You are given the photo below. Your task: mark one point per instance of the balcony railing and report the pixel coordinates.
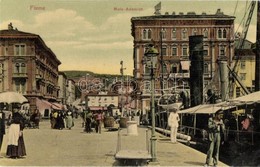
(179, 75)
(20, 75)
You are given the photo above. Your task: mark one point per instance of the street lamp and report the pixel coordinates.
(150, 58)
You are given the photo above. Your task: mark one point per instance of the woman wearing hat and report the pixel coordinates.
(173, 122)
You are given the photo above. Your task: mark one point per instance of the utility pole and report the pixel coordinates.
(122, 81)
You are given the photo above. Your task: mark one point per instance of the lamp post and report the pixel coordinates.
(150, 57)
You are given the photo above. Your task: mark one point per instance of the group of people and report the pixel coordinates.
(215, 128)
(15, 142)
(91, 119)
(61, 119)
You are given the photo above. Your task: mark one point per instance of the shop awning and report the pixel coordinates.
(185, 65)
(57, 106)
(42, 105)
(96, 108)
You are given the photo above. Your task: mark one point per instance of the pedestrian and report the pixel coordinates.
(83, 115)
(60, 120)
(35, 118)
(173, 122)
(88, 121)
(215, 127)
(53, 118)
(69, 119)
(15, 143)
(2, 128)
(98, 118)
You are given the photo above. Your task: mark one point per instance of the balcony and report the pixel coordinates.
(48, 82)
(20, 75)
(38, 77)
(207, 75)
(179, 75)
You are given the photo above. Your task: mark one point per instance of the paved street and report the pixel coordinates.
(49, 147)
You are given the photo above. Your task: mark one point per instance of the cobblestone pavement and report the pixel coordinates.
(51, 147)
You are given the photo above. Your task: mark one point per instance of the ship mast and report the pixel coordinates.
(257, 52)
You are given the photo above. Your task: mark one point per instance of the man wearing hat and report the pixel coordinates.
(173, 123)
(215, 126)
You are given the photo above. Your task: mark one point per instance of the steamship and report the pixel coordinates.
(241, 115)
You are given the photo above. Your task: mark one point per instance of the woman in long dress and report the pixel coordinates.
(69, 119)
(16, 146)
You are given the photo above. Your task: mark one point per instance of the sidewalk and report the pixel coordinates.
(50, 147)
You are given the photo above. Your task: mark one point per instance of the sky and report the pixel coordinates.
(95, 35)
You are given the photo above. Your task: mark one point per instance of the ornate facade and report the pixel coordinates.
(170, 35)
(28, 66)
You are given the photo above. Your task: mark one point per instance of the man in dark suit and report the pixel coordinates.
(215, 127)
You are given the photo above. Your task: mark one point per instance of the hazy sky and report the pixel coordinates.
(95, 35)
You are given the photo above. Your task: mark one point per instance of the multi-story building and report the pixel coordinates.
(101, 100)
(28, 66)
(62, 82)
(245, 69)
(71, 97)
(169, 34)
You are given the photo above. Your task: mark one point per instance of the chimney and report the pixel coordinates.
(196, 69)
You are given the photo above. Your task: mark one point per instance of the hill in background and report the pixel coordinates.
(78, 74)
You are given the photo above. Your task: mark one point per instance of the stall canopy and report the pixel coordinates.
(247, 99)
(201, 109)
(251, 98)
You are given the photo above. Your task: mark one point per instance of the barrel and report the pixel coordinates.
(122, 122)
(109, 122)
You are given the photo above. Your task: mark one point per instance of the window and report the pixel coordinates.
(222, 50)
(174, 68)
(147, 34)
(20, 68)
(19, 50)
(185, 51)
(205, 33)
(164, 53)
(237, 91)
(165, 69)
(184, 34)
(243, 65)
(205, 52)
(174, 51)
(206, 68)
(163, 32)
(219, 33)
(20, 85)
(1, 68)
(194, 31)
(174, 33)
(243, 76)
(146, 70)
(224, 33)
(147, 87)
(144, 34)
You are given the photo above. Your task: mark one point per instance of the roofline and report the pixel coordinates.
(29, 35)
(182, 17)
